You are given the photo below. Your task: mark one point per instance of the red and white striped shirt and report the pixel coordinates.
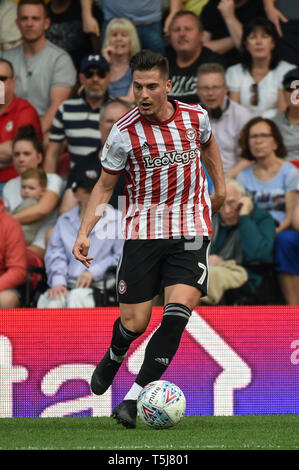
(167, 191)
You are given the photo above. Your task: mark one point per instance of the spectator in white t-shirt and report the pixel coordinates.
(256, 82)
(28, 153)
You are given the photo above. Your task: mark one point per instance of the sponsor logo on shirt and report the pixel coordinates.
(170, 158)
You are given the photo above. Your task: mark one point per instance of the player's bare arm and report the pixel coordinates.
(212, 159)
(100, 196)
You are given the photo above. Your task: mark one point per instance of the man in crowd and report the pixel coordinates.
(77, 119)
(186, 54)
(226, 116)
(45, 72)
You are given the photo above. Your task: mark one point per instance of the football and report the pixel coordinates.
(161, 404)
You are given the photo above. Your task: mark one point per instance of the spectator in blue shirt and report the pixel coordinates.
(71, 284)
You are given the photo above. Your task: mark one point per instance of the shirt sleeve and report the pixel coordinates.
(114, 154)
(14, 247)
(57, 133)
(55, 183)
(64, 74)
(28, 115)
(205, 129)
(233, 78)
(56, 262)
(292, 179)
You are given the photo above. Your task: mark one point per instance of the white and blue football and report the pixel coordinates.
(161, 404)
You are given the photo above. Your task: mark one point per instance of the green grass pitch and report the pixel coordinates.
(251, 432)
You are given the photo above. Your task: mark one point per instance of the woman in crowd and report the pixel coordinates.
(270, 180)
(121, 42)
(28, 153)
(256, 82)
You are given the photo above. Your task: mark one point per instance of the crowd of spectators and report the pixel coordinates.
(65, 79)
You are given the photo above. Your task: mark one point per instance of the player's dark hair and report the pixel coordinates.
(268, 27)
(28, 133)
(5, 61)
(148, 60)
(244, 138)
(33, 2)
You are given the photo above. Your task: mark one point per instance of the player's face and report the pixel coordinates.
(185, 34)
(150, 91)
(261, 141)
(8, 80)
(32, 22)
(31, 187)
(229, 211)
(112, 113)
(25, 156)
(211, 89)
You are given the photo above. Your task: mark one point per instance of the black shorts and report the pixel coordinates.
(146, 266)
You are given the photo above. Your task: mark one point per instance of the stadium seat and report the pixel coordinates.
(36, 280)
(268, 293)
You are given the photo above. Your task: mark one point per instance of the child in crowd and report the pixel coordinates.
(33, 186)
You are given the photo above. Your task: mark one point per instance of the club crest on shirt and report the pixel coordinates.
(190, 134)
(9, 126)
(122, 287)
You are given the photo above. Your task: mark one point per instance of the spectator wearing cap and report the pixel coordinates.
(288, 121)
(111, 112)
(77, 119)
(72, 284)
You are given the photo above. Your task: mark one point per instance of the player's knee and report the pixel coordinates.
(134, 323)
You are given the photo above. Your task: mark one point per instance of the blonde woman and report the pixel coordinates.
(121, 42)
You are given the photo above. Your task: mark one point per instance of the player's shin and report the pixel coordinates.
(106, 370)
(164, 343)
(121, 340)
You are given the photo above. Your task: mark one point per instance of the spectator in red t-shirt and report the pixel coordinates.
(14, 113)
(13, 261)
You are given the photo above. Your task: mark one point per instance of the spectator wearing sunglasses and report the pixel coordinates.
(256, 82)
(77, 119)
(15, 112)
(288, 121)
